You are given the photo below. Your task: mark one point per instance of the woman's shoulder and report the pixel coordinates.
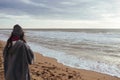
(20, 42)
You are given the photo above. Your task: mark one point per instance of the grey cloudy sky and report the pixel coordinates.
(60, 13)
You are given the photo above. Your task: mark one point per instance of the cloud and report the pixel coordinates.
(61, 9)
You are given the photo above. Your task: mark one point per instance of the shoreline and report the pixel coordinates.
(46, 68)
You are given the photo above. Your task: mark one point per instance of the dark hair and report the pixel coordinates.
(17, 31)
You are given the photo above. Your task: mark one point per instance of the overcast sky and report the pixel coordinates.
(60, 13)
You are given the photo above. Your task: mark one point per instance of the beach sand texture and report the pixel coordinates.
(45, 68)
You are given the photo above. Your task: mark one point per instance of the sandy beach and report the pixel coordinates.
(45, 68)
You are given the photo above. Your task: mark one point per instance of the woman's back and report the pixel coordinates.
(16, 60)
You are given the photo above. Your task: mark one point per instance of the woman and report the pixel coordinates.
(17, 56)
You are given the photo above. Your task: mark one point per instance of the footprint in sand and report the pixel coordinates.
(70, 77)
(36, 67)
(46, 62)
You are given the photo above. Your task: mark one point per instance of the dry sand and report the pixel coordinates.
(45, 68)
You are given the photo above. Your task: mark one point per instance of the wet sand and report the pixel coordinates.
(45, 68)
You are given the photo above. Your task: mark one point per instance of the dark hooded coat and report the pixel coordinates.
(17, 60)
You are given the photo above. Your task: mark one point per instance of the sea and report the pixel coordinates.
(90, 49)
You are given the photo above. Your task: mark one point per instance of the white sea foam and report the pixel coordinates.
(76, 62)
